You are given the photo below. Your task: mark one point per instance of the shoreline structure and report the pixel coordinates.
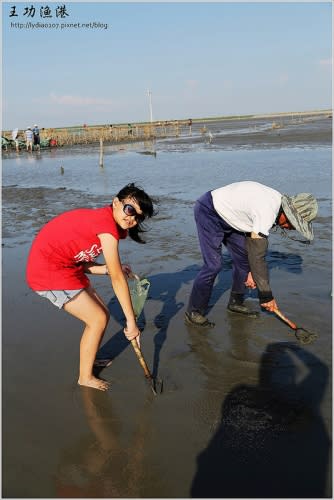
(143, 131)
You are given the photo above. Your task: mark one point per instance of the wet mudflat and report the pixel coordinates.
(246, 410)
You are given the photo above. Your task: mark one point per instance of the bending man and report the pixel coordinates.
(240, 216)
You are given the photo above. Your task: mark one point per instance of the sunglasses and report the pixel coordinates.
(130, 210)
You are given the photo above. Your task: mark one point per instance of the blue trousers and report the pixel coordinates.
(213, 232)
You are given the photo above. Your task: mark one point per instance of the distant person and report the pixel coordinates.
(29, 138)
(66, 248)
(15, 138)
(240, 216)
(37, 139)
(190, 122)
(111, 130)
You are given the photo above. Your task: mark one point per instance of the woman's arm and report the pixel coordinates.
(101, 269)
(119, 283)
(94, 268)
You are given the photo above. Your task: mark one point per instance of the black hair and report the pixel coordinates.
(280, 212)
(146, 205)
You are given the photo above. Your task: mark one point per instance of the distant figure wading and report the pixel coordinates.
(29, 138)
(37, 139)
(15, 138)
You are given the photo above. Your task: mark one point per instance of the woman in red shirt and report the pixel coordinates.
(66, 248)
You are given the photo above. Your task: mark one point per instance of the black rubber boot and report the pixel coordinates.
(236, 305)
(195, 318)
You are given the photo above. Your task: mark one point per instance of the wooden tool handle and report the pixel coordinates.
(140, 358)
(286, 320)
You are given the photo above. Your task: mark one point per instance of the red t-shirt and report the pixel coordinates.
(66, 241)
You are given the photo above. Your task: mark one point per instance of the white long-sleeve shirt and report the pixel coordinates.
(247, 206)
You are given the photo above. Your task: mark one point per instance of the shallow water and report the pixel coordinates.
(239, 401)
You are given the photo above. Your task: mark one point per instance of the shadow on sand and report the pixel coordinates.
(164, 288)
(271, 441)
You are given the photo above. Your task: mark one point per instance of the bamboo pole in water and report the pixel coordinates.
(101, 152)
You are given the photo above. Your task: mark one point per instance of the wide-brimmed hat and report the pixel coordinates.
(301, 210)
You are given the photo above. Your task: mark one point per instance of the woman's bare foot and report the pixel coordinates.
(94, 382)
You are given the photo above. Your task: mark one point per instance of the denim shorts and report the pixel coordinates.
(59, 297)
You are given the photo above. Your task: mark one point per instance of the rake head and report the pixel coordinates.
(304, 336)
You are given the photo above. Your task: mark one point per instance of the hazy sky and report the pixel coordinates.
(197, 59)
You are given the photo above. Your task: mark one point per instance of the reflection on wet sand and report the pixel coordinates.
(101, 464)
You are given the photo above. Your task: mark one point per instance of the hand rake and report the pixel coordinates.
(302, 335)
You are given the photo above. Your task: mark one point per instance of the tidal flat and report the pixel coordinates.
(246, 410)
